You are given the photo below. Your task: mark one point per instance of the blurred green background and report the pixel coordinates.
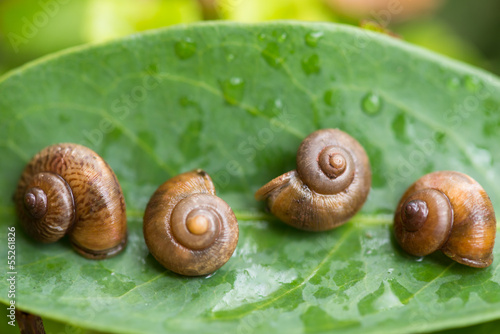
(464, 30)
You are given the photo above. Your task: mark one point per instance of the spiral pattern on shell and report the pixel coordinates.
(330, 185)
(69, 189)
(449, 211)
(187, 228)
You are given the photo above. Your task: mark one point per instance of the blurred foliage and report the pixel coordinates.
(478, 23)
(460, 29)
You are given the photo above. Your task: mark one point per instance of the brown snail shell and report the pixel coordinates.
(187, 228)
(69, 189)
(330, 185)
(29, 323)
(449, 211)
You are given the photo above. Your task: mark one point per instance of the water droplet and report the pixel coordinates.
(272, 55)
(399, 127)
(280, 36)
(453, 83)
(185, 49)
(152, 69)
(390, 270)
(491, 107)
(233, 89)
(472, 83)
(419, 259)
(327, 97)
(64, 118)
(274, 107)
(230, 57)
(313, 38)
(311, 64)
(185, 101)
(368, 252)
(371, 103)
(439, 136)
(490, 129)
(262, 36)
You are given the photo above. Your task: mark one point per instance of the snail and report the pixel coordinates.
(69, 189)
(331, 183)
(29, 323)
(449, 211)
(187, 228)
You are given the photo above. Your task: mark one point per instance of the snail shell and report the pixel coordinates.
(330, 185)
(29, 323)
(449, 211)
(69, 189)
(187, 228)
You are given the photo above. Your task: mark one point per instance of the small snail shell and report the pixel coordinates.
(187, 228)
(330, 185)
(29, 323)
(449, 211)
(69, 189)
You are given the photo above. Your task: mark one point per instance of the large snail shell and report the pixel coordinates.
(68, 188)
(449, 211)
(187, 228)
(330, 185)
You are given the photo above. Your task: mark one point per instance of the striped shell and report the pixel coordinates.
(69, 189)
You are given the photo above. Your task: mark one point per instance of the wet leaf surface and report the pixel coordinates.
(236, 100)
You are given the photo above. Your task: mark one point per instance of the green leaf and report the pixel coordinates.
(237, 100)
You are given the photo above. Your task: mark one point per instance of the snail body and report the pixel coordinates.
(187, 228)
(331, 183)
(69, 189)
(449, 211)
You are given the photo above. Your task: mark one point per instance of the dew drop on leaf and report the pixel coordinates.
(453, 83)
(274, 107)
(64, 118)
(313, 38)
(371, 103)
(272, 55)
(472, 83)
(185, 49)
(185, 101)
(280, 36)
(152, 69)
(311, 64)
(233, 89)
(331, 97)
